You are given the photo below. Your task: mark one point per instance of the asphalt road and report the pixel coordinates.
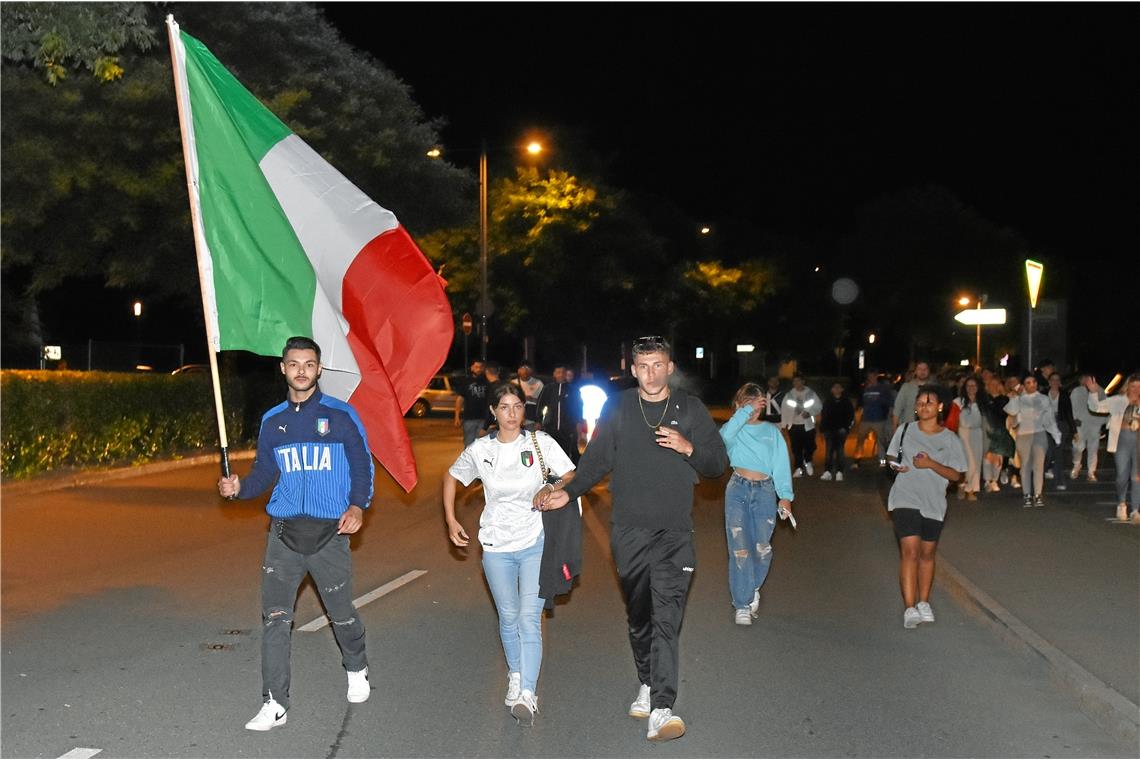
(130, 626)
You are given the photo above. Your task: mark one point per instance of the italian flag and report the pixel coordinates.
(288, 246)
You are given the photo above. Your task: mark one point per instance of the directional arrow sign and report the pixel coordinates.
(981, 317)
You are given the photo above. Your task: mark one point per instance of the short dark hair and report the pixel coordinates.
(300, 343)
(506, 389)
(651, 344)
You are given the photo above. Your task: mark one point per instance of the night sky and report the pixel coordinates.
(791, 116)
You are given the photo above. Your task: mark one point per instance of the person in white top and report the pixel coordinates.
(797, 415)
(509, 462)
(1123, 411)
(970, 430)
(1089, 427)
(1033, 420)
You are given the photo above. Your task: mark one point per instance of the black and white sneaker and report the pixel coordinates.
(271, 715)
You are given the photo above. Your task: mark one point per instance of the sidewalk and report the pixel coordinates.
(1062, 582)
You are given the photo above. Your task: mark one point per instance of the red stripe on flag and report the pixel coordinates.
(400, 330)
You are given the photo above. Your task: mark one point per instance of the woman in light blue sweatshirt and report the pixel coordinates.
(759, 489)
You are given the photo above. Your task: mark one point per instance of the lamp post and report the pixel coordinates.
(1034, 272)
(485, 307)
(978, 317)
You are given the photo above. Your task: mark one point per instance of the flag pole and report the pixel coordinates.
(182, 96)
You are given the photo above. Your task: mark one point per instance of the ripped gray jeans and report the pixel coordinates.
(281, 576)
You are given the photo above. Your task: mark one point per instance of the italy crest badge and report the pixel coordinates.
(527, 458)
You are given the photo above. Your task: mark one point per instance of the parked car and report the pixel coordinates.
(439, 396)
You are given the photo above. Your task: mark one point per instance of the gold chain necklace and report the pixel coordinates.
(663, 413)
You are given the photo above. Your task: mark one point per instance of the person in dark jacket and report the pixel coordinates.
(835, 423)
(313, 451)
(1058, 454)
(560, 412)
(657, 442)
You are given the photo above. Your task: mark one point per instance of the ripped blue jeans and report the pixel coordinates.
(749, 519)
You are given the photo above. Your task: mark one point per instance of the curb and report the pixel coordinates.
(1107, 707)
(89, 477)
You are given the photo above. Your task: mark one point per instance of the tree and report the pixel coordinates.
(51, 36)
(93, 182)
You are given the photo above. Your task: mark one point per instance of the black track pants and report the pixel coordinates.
(655, 568)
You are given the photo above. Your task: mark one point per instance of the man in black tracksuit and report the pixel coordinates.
(657, 443)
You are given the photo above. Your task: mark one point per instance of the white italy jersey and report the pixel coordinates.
(511, 476)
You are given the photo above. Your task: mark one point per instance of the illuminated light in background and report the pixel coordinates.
(705, 230)
(137, 308)
(871, 338)
(434, 153)
(534, 147)
(593, 398)
(1113, 383)
(745, 348)
(965, 362)
(700, 352)
(1004, 361)
(862, 359)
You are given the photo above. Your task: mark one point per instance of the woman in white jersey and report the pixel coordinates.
(926, 456)
(509, 462)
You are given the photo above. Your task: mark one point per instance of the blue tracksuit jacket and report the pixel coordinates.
(317, 453)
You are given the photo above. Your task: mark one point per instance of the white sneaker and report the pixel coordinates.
(924, 612)
(358, 688)
(839, 477)
(1048, 474)
(799, 473)
(525, 708)
(1076, 471)
(743, 617)
(664, 725)
(911, 618)
(1122, 511)
(993, 487)
(754, 605)
(269, 716)
(514, 687)
(640, 706)
(1004, 478)
(810, 471)
(825, 476)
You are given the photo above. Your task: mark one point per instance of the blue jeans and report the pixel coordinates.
(1127, 459)
(749, 519)
(513, 578)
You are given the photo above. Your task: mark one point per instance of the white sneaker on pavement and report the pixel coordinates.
(810, 471)
(514, 688)
(1122, 511)
(825, 476)
(924, 612)
(269, 716)
(1076, 471)
(839, 477)
(799, 473)
(743, 617)
(358, 688)
(664, 725)
(1048, 474)
(754, 605)
(525, 708)
(911, 618)
(640, 706)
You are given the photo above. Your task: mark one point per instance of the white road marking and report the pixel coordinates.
(371, 596)
(81, 753)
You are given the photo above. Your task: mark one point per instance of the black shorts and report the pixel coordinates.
(910, 522)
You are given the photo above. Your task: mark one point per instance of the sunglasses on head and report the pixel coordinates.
(648, 342)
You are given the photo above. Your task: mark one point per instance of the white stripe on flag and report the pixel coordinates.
(81, 753)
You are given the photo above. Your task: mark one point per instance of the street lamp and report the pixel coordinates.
(978, 317)
(533, 147)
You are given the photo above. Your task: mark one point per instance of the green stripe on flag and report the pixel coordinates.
(264, 285)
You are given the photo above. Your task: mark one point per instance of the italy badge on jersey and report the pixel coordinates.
(322, 426)
(527, 458)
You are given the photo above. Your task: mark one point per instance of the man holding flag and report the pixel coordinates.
(312, 447)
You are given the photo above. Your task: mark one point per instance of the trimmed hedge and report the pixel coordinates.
(84, 419)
